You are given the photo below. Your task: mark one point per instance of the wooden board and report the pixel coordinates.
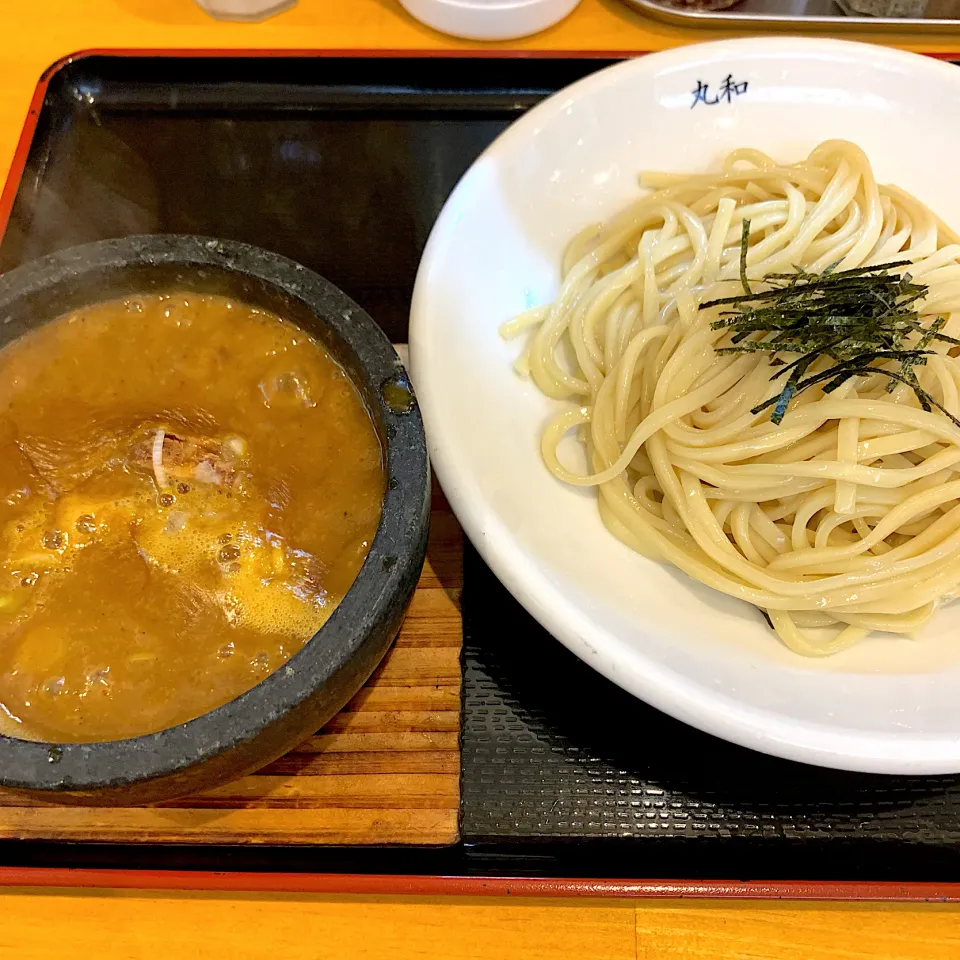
(386, 770)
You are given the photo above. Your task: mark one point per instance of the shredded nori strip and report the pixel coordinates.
(858, 318)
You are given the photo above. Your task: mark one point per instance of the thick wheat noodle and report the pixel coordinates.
(845, 515)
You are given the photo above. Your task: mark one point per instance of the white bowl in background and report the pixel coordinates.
(250, 10)
(489, 19)
(887, 705)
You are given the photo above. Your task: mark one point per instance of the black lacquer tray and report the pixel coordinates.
(343, 164)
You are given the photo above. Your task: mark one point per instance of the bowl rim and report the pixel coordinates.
(384, 576)
(567, 622)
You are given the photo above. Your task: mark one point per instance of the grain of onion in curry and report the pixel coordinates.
(188, 487)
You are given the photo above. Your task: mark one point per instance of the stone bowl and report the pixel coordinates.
(299, 698)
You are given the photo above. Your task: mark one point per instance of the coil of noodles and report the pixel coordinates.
(797, 444)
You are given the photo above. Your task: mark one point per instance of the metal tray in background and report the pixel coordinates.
(790, 15)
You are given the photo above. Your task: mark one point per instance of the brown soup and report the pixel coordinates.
(188, 487)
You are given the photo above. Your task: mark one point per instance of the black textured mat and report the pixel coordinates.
(554, 752)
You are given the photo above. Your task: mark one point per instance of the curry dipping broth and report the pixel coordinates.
(188, 487)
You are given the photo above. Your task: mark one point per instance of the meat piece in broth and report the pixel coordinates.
(174, 455)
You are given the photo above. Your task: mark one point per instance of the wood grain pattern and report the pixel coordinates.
(684, 930)
(384, 770)
(124, 926)
(114, 924)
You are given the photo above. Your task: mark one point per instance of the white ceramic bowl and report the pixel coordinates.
(887, 705)
(489, 19)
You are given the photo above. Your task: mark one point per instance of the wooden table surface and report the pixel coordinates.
(114, 924)
(123, 925)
